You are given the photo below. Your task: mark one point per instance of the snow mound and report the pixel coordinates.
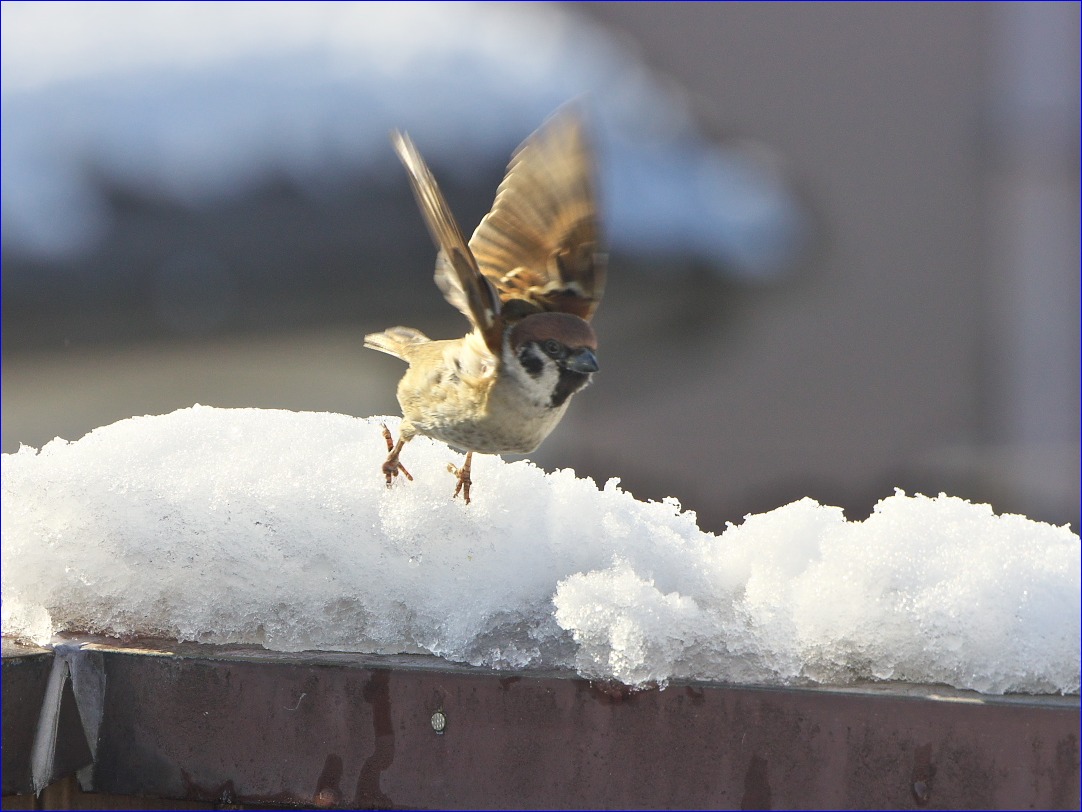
(276, 528)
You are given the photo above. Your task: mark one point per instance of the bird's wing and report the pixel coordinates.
(457, 273)
(539, 245)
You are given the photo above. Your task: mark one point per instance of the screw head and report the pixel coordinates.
(439, 722)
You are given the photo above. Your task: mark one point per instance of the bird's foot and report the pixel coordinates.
(463, 475)
(392, 467)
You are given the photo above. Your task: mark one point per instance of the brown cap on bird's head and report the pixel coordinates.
(571, 331)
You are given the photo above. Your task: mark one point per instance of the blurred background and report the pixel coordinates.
(844, 238)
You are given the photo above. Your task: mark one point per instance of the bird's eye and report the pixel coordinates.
(553, 348)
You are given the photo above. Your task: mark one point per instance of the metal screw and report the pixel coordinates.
(439, 722)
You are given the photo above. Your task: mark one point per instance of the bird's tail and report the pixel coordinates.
(395, 340)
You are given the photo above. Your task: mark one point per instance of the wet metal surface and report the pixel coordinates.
(25, 675)
(44, 725)
(247, 726)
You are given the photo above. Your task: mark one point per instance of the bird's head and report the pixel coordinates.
(554, 354)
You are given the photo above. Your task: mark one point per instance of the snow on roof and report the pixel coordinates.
(194, 102)
(276, 528)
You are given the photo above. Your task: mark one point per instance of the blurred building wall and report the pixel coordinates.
(932, 343)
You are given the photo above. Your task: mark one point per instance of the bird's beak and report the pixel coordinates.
(581, 360)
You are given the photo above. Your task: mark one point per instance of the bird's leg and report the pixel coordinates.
(463, 475)
(392, 466)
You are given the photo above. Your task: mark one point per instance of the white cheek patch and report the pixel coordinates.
(535, 374)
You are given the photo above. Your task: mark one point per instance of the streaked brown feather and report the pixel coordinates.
(539, 244)
(457, 273)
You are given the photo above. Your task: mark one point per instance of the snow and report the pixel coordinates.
(276, 528)
(200, 102)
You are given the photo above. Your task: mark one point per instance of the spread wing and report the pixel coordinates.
(457, 272)
(539, 244)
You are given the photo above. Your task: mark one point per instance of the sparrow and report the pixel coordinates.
(529, 281)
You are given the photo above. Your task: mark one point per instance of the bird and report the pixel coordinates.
(529, 281)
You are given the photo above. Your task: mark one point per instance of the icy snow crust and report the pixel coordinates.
(275, 527)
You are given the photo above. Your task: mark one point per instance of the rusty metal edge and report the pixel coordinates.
(156, 647)
(233, 724)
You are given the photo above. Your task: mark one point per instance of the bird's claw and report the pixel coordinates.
(392, 467)
(463, 475)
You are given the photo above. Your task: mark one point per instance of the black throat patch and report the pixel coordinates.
(568, 384)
